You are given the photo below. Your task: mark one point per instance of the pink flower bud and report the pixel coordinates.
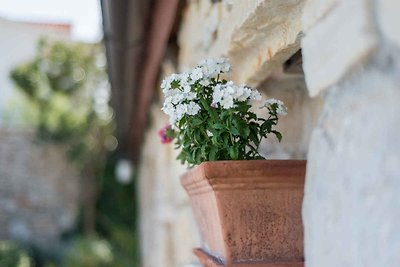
(164, 136)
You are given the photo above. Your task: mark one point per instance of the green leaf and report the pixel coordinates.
(203, 152)
(214, 140)
(218, 126)
(235, 131)
(194, 153)
(233, 152)
(266, 127)
(213, 153)
(243, 107)
(224, 114)
(252, 116)
(246, 132)
(278, 135)
(196, 121)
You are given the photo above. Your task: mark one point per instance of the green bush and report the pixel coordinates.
(89, 251)
(12, 255)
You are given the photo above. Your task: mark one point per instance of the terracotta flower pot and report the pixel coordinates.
(248, 212)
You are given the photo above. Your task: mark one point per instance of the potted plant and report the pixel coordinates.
(248, 209)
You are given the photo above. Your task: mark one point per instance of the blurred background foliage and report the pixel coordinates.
(67, 92)
(12, 255)
(67, 85)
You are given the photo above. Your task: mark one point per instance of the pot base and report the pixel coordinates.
(209, 261)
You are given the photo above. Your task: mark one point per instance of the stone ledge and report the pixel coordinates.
(257, 36)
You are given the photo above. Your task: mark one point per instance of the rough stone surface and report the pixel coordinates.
(167, 226)
(296, 127)
(39, 189)
(389, 19)
(344, 39)
(257, 36)
(314, 11)
(168, 233)
(351, 204)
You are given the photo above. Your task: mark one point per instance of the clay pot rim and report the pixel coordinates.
(243, 174)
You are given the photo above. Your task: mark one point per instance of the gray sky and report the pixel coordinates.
(84, 15)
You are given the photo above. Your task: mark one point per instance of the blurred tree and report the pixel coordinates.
(89, 251)
(67, 85)
(12, 255)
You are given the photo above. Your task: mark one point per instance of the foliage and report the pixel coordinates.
(12, 255)
(69, 91)
(211, 118)
(89, 251)
(116, 220)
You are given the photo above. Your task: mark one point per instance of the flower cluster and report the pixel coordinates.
(225, 95)
(181, 95)
(210, 117)
(276, 104)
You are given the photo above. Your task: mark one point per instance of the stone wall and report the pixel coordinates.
(297, 126)
(39, 189)
(343, 117)
(168, 233)
(256, 35)
(351, 205)
(167, 229)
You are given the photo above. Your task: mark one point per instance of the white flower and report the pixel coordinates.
(179, 102)
(205, 81)
(176, 96)
(212, 67)
(192, 108)
(168, 108)
(255, 95)
(186, 88)
(281, 108)
(190, 96)
(184, 78)
(224, 64)
(181, 98)
(217, 95)
(225, 95)
(230, 87)
(227, 102)
(164, 84)
(243, 93)
(180, 111)
(196, 74)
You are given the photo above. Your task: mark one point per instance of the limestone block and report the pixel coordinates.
(315, 10)
(342, 40)
(351, 201)
(257, 36)
(199, 30)
(389, 19)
